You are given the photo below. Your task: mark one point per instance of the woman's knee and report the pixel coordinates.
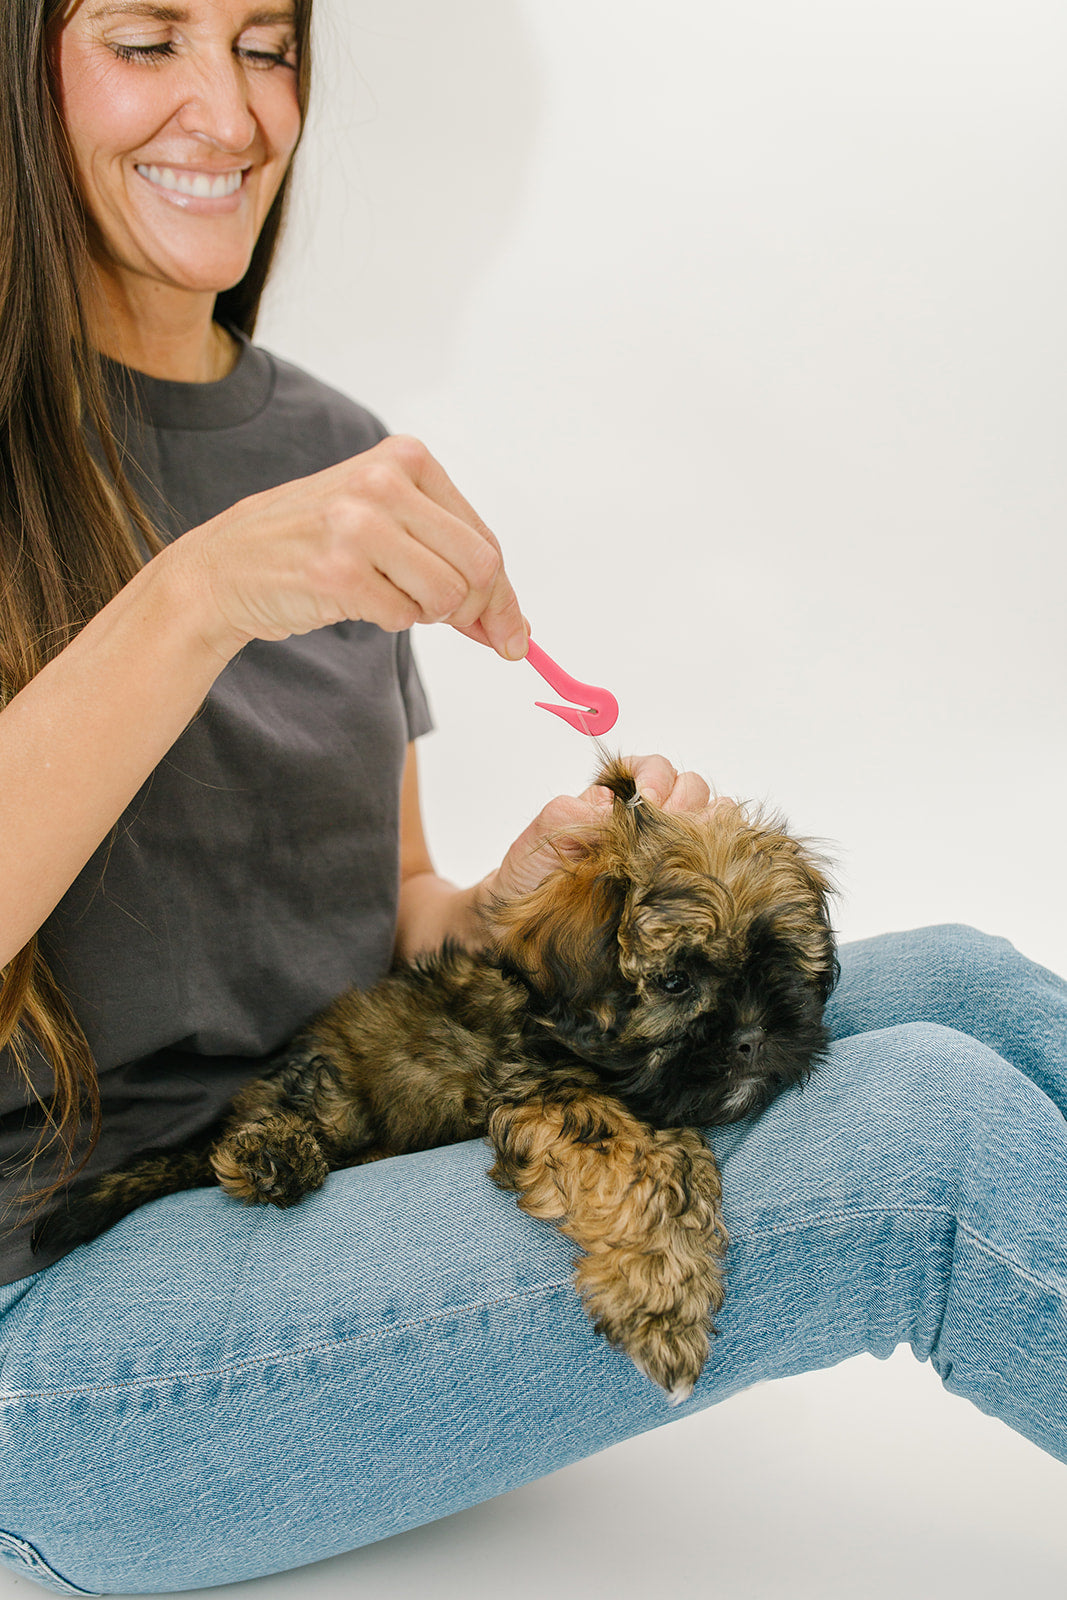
(923, 1074)
(952, 957)
(941, 974)
(849, 1195)
(899, 1116)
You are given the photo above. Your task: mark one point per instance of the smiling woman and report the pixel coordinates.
(114, 278)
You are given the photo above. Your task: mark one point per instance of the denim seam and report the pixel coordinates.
(924, 1211)
(839, 1216)
(1024, 1272)
(273, 1358)
(29, 1559)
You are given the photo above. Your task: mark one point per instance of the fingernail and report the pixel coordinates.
(516, 646)
(652, 796)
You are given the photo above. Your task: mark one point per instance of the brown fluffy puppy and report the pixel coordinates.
(671, 976)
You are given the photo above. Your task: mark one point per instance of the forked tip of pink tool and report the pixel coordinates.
(596, 710)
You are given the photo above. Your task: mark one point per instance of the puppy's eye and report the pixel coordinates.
(674, 982)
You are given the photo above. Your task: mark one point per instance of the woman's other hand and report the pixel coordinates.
(559, 825)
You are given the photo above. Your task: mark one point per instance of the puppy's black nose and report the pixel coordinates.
(748, 1045)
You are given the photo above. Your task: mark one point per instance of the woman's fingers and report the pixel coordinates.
(690, 793)
(432, 579)
(543, 843)
(450, 579)
(666, 787)
(489, 607)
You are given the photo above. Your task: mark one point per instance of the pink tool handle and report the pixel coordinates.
(603, 708)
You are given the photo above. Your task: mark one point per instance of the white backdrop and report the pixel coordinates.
(743, 326)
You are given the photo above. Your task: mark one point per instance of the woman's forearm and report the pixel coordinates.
(432, 910)
(79, 741)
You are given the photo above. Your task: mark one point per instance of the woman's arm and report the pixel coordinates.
(432, 909)
(384, 537)
(79, 741)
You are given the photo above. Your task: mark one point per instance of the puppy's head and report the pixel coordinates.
(686, 957)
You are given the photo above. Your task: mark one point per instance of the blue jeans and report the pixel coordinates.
(212, 1392)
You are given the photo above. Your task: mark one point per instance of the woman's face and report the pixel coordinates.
(182, 115)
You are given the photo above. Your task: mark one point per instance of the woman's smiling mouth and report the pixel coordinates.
(183, 184)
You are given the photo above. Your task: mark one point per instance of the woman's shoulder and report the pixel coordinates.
(315, 408)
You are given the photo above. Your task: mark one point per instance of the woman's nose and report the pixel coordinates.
(216, 108)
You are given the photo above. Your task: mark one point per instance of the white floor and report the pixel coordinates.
(863, 1483)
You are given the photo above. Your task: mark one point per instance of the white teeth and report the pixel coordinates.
(200, 185)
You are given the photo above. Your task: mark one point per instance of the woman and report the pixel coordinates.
(211, 826)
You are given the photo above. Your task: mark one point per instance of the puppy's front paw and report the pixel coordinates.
(656, 1306)
(654, 1292)
(273, 1162)
(643, 1204)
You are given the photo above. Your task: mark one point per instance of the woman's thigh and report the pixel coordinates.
(211, 1392)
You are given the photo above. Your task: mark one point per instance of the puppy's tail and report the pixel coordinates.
(88, 1209)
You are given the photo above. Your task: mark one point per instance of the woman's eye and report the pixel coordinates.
(267, 58)
(674, 982)
(143, 52)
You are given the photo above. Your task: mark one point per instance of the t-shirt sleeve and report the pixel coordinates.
(416, 705)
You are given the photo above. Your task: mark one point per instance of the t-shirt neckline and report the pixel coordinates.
(225, 403)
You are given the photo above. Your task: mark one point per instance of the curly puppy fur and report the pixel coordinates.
(670, 975)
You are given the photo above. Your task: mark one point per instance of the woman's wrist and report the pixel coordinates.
(185, 574)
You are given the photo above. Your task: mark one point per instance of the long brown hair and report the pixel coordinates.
(71, 535)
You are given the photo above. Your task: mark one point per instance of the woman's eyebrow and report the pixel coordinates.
(138, 8)
(164, 13)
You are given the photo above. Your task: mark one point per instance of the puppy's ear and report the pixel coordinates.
(801, 888)
(563, 941)
(815, 870)
(565, 931)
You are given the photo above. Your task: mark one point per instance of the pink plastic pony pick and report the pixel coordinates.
(602, 707)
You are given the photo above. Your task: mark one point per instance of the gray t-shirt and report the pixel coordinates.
(255, 875)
